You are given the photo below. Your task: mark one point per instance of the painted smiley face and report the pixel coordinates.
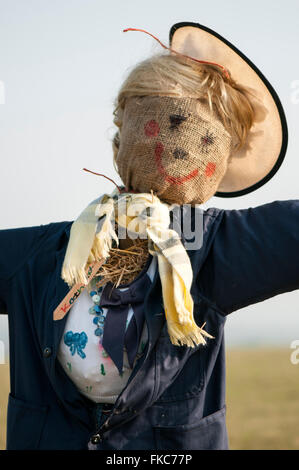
(152, 129)
(175, 147)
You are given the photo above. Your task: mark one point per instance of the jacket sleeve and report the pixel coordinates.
(254, 256)
(16, 246)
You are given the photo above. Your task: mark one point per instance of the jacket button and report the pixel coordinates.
(47, 352)
(96, 438)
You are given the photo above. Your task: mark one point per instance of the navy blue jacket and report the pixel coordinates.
(175, 397)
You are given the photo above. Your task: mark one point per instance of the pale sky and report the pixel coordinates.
(61, 65)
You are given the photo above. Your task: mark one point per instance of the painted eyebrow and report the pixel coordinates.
(176, 120)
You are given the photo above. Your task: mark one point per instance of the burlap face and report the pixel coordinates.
(173, 146)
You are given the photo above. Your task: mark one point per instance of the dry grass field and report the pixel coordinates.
(4, 390)
(262, 399)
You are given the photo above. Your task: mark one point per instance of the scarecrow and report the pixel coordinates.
(137, 307)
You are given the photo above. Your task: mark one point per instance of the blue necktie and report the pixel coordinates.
(115, 336)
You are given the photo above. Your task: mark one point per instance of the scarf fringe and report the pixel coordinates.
(182, 336)
(73, 275)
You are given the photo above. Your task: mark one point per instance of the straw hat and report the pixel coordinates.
(260, 158)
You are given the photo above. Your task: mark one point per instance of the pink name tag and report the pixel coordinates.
(75, 291)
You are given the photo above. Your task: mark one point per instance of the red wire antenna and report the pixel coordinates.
(99, 174)
(179, 53)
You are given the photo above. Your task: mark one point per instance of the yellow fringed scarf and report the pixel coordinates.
(142, 215)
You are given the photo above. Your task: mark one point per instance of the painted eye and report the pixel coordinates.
(151, 128)
(176, 120)
(207, 141)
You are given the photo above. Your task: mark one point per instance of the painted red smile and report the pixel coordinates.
(170, 179)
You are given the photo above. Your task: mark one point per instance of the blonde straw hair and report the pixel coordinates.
(172, 75)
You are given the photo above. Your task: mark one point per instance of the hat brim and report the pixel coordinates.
(258, 161)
